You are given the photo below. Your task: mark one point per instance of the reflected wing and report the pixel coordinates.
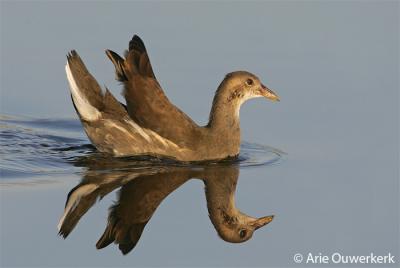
(146, 102)
(82, 197)
(79, 200)
(138, 200)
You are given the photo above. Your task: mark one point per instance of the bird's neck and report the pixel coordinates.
(224, 115)
(220, 194)
(224, 112)
(224, 125)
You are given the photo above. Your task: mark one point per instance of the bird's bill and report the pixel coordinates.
(258, 223)
(268, 93)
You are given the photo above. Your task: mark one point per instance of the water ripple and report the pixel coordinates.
(37, 147)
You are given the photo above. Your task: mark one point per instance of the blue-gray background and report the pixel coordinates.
(335, 65)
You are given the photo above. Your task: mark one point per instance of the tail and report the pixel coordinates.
(89, 100)
(137, 61)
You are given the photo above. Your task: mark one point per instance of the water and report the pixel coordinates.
(43, 147)
(43, 152)
(48, 164)
(335, 66)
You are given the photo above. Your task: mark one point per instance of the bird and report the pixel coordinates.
(142, 190)
(148, 124)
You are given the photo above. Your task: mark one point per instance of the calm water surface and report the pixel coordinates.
(155, 207)
(43, 153)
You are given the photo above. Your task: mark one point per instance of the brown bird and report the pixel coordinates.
(149, 124)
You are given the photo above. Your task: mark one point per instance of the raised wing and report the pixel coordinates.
(89, 100)
(146, 102)
(107, 122)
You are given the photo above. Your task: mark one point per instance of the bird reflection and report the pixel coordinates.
(143, 186)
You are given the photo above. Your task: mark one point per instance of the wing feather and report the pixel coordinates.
(146, 101)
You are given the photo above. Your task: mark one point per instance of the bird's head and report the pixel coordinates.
(239, 228)
(241, 86)
(234, 90)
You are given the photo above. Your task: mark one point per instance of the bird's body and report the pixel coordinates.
(150, 124)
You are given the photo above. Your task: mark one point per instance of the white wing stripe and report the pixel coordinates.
(85, 109)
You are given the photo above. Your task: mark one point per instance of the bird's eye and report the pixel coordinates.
(242, 233)
(249, 82)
